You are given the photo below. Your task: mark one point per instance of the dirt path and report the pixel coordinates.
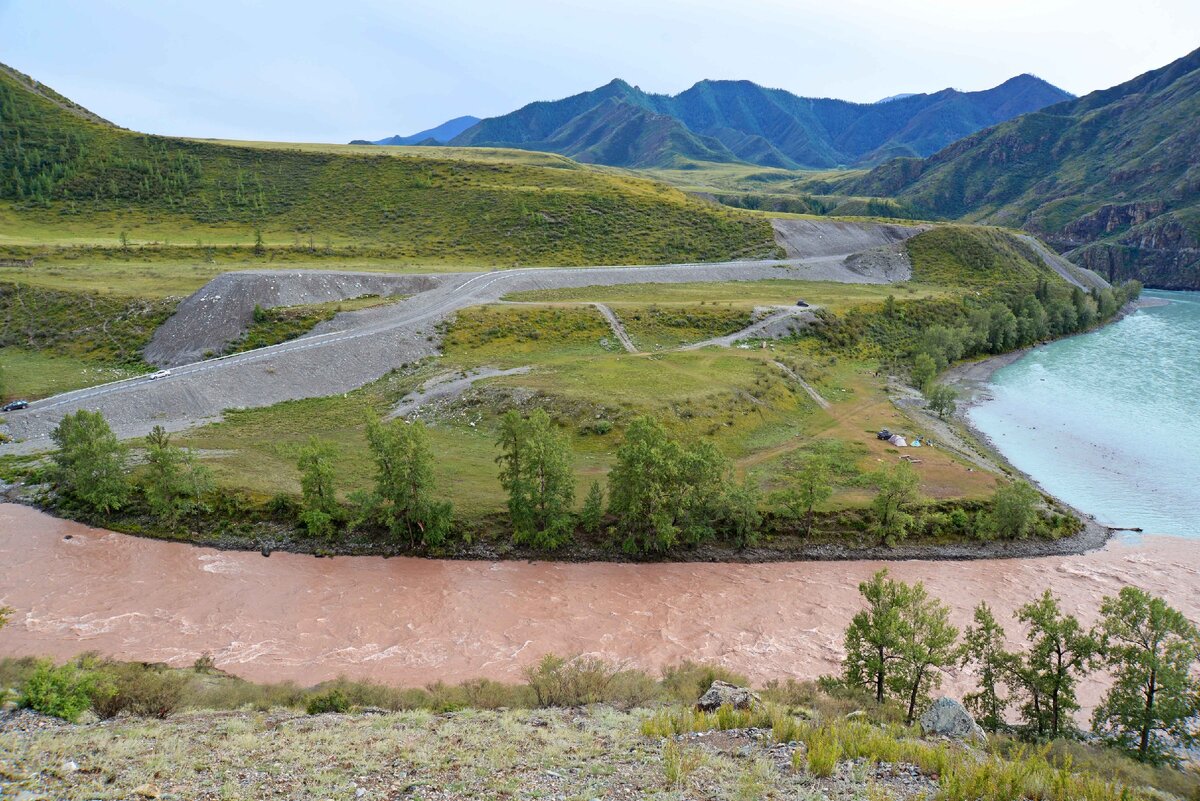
(358, 347)
(447, 387)
(777, 323)
(618, 328)
(807, 387)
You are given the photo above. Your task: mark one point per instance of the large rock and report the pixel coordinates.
(722, 693)
(948, 718)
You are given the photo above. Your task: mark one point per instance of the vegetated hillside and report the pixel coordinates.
(727, 121)
(65, 173)
(975, 256)
(1112, 178)
(438, 135)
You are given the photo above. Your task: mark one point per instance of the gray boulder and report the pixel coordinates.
(722, 693)
(946, 717)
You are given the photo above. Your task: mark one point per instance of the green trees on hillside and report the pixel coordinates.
(320, 512)
(175, 482)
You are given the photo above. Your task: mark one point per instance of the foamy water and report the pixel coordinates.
(411, 621)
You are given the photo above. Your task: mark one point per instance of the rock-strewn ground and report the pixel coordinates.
(598, 752)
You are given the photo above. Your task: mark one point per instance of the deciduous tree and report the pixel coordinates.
(1060, 652)
(89, 466)
(404, 484)
(983, 648)
(1153, 652)
(535, 470)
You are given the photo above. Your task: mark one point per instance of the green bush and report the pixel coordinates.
(140, 690)
(64, 692)
(330, 701)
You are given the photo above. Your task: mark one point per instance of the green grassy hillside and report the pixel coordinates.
(66, 177)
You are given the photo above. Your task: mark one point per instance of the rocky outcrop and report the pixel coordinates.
(947, 717)
(1162, 252)
(722, 693)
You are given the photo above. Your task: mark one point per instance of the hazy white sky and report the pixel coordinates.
(333, 71)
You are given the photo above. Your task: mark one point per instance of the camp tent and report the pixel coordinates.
(898, 441)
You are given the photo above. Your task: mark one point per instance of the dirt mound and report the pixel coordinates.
(804, 239)
(220, 311)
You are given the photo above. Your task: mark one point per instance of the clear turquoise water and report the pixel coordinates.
(1110, 421)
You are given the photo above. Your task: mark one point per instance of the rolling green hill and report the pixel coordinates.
(739, 121)
(68, 177)
(1112, 178)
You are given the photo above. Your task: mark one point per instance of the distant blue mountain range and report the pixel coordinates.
(434, 136)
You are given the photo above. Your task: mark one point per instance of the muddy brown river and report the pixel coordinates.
(412, 621)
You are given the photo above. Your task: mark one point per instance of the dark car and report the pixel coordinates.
(884, 434)
(13, 406)
(802, 304)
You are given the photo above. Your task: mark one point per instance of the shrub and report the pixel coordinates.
(141, 690)
(570, 682)
(64, 691)
(330, 701)
(822, 754)
(678, 763)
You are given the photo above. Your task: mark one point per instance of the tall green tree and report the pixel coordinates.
(536, 471)
(812, 487)
(1153, 652)
(319, 508)
(404, 483)
(873, 638)
(89, 467)
(923, 370)
(896, 491)
(1060, 652)
(926, 645)
(1014, 512)
(592, 515)
(984, 649)
(663, 493)
(940, 399)
(174, 481)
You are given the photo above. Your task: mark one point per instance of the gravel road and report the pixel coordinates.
(356, 348)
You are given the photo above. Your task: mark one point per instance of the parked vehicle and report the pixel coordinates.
(883, 434)
(802, 304)
(159, 374)
(15, 406)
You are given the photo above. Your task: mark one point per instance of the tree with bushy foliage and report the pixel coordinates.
(896, 491)
(662, 493)
(926, 645)
(89, 466)
(984, 649)
(940, 399)
(536, 471)
(1060, 652)
(1153, 652)
(592, 515)
(812, 486)
(923, 370)
(873, 637)
(404, 485)
(174, 480)
(1014, 512)
(741, 515)
(319, 509)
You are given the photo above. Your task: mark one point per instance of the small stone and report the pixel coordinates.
(70, 766)
(147, 791)
(359, 792)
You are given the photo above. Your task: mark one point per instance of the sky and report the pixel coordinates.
(305, 71)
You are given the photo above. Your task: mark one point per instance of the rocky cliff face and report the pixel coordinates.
(1161, 252)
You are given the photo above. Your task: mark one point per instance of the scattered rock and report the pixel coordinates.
(949, 718)
(70, 766)
(147, 791)
(722, 693)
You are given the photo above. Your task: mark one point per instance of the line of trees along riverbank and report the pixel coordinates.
(662, 495)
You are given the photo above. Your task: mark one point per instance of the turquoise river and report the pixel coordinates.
(1110, 421)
